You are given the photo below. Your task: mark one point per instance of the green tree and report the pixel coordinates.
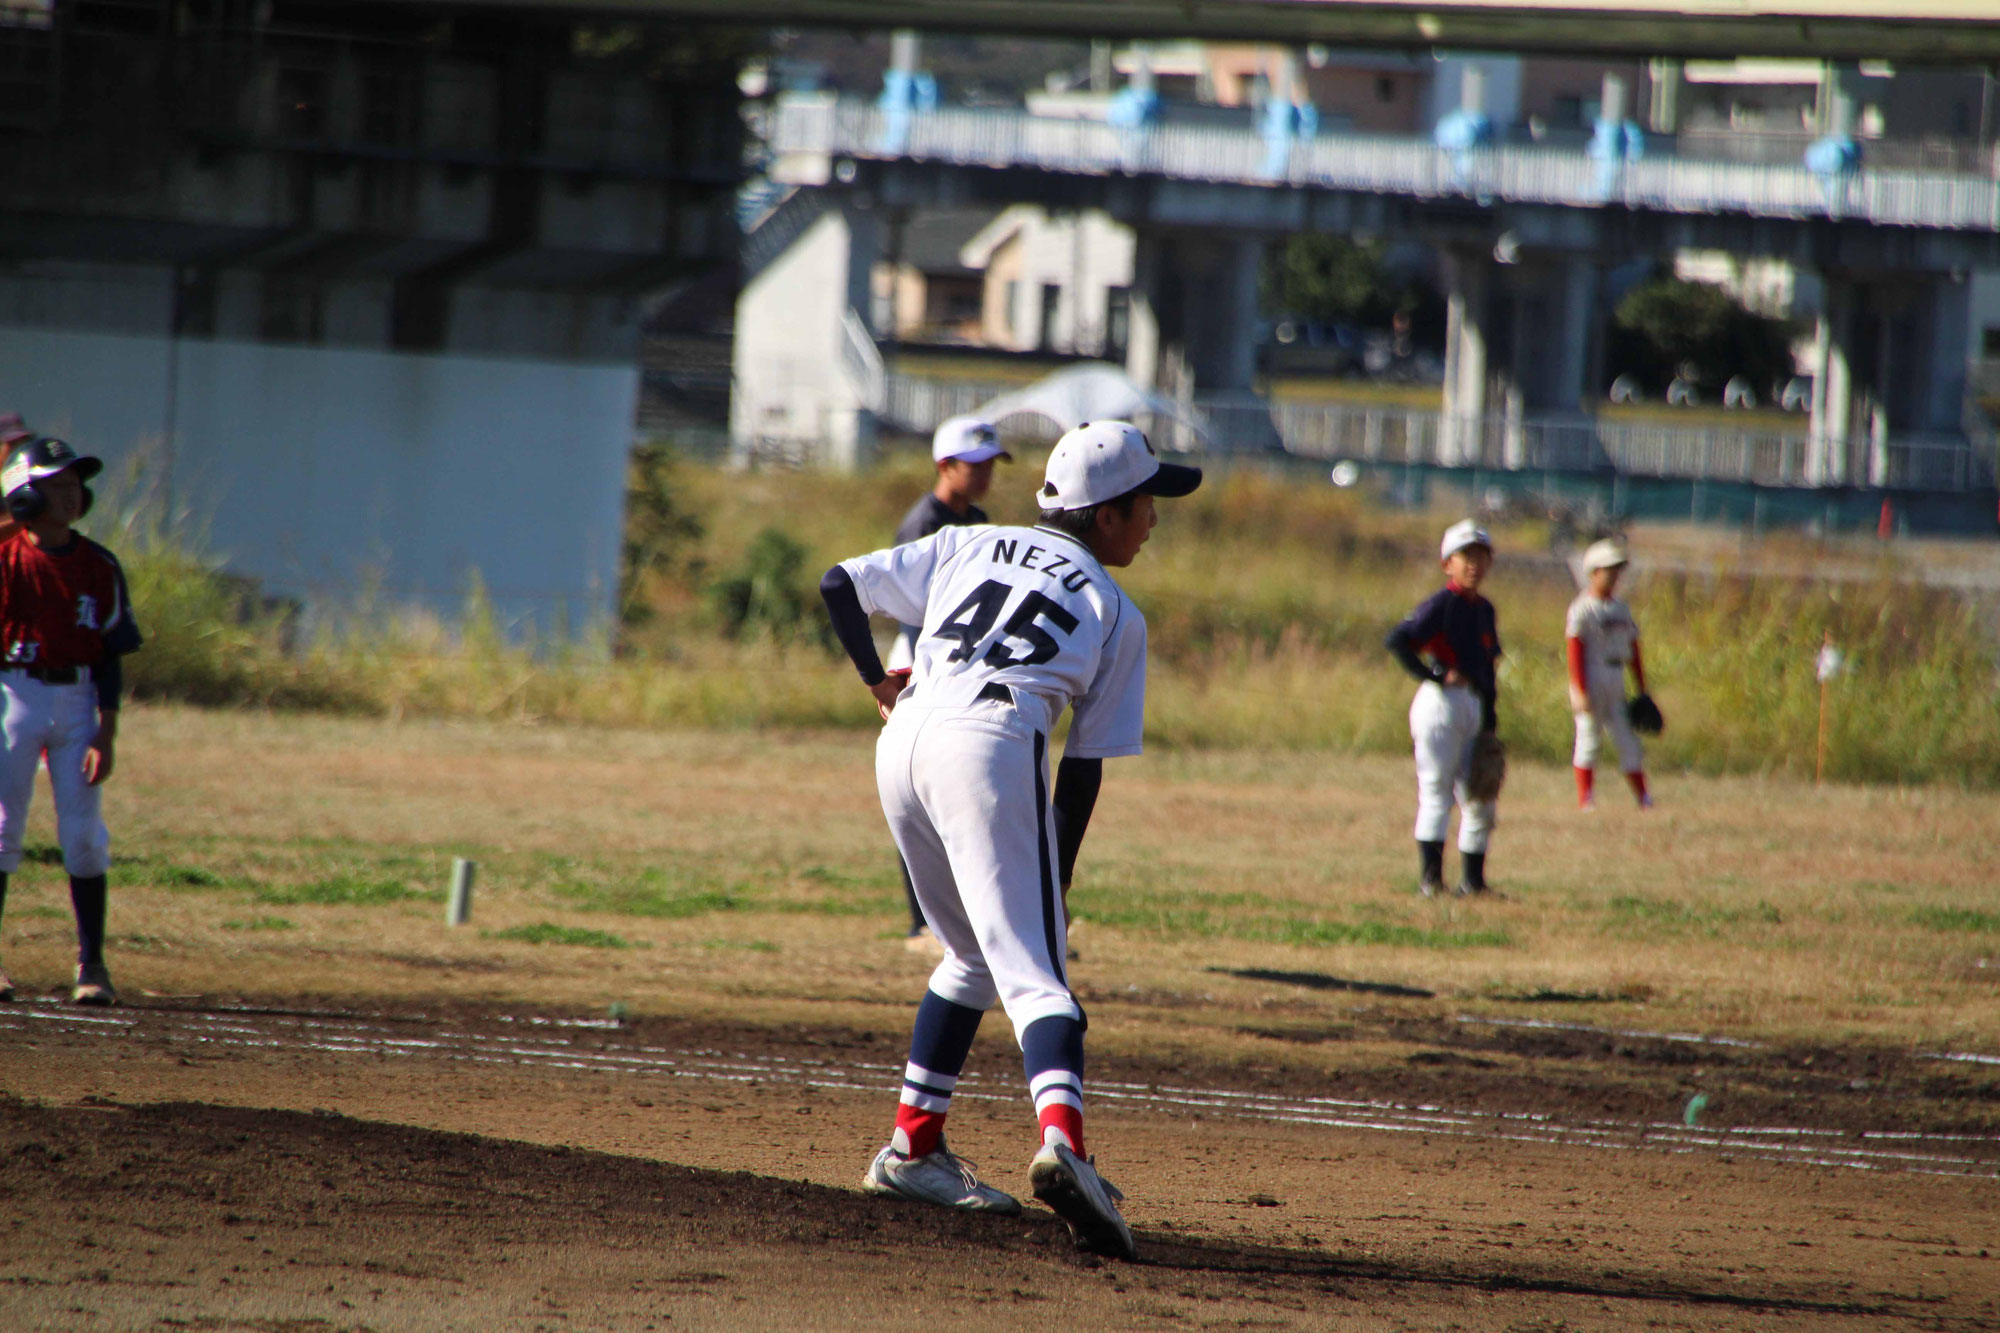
(1668, 324)
(769, 593)
(658, 531)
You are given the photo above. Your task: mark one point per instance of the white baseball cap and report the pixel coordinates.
(1607, 554)
(1460, 535)
(968, 439)
(1102, 460)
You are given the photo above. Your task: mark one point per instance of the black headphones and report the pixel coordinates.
(44, 456)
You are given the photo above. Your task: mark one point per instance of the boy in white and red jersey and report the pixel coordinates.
(65, 621)
(1603, 643)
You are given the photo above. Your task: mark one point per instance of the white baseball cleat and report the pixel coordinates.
(93, 985)
(1087, 1201)
(942, 1178)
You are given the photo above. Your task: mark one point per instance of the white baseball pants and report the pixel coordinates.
(1444, 723)
(966, 794)
(60, 720)
(1607, 714)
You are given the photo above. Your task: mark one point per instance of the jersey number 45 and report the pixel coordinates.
(975, 617)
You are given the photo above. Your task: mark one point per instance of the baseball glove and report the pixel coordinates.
(1489, 767)
(1644, 714)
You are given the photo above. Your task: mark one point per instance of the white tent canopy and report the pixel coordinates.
(1095, 391)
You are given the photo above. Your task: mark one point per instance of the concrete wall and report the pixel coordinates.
(1082, 255)
(321, 471)
(793, 384)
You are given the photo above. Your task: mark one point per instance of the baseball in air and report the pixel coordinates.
(1346, 473)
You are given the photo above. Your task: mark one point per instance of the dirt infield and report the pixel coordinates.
(278, 1166)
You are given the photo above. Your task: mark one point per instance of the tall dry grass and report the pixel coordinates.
(1267, 595)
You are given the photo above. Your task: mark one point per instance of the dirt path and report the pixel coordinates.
(202, 1167)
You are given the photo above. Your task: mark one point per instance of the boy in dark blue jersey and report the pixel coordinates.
(1450, 644)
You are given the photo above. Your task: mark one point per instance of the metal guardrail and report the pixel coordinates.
(1384, 164)
(1332, 431)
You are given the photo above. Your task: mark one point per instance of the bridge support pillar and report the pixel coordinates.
(1836, 350)
(1468, 357)
(808, 377)
(1194, 327)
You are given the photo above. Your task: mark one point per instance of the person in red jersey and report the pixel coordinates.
(65, 623)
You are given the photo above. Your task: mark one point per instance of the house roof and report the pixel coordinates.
(931, 240)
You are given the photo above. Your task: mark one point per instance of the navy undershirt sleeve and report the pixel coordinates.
(1077, 782)
(1400, 646)
(109, 677)
(850, 625)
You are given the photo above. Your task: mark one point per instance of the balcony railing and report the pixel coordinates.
(1334, 431)
(1384, 164)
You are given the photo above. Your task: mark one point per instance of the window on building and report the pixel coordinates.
(1989, 343)
(1117, 320)
(1385, 88)
(1051, 307)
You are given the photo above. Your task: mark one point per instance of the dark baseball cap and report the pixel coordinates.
(44, 456)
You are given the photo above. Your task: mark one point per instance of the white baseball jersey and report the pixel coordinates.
(1605, 627)
(1027, 608)
(1607, 631)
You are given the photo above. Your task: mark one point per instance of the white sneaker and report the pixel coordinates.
(1087, 1201)
(940, 1177)
(93, 985)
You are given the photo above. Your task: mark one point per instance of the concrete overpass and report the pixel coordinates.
(1527, 235)
(1920, 31)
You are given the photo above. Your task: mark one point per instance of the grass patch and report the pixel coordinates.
(547, 932)
(1673, 915)
(171, 875)
(1250, 916)
(745, 946)
(1964, 920)
(336, 891)
(259, 923)
(655, 893)
(38, 914)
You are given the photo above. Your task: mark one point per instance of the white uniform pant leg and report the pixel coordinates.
(80, 829)
(1589, 739)
(1437, 748)
(1607, 716)
(1475, 818)
(1609, 707)
(1444, 724)
(25, 725)
(962, 977)
(981, 774)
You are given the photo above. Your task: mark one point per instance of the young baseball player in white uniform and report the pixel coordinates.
(1449, 645)
(1603, 642)
(1017, 624)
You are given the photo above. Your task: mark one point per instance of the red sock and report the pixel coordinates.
(1638, 781)
(917, 1131)
(1585, 778)
(1066, 1120)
